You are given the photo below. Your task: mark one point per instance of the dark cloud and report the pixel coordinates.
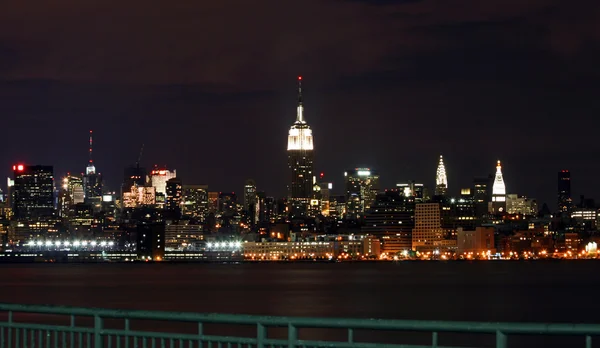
(209, 87)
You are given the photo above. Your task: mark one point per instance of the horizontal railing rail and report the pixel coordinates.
(19, 333)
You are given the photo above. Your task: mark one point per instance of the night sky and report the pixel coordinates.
(210, 88)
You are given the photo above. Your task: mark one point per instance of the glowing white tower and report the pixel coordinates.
(441, 180)
(498, 203)
(92, 182)
(300, 157)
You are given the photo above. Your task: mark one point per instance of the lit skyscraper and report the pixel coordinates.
(565, 202)
(498, 204)
(250, 201)
(92, 181)
(441, 180)
(362, 185)
(300, 158)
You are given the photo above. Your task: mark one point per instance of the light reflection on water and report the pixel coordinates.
(465, 291)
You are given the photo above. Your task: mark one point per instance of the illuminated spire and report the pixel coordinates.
(499, 188)
(441, 180)
(90, 169)
(300, 109)
(300, 135)
(91, 143)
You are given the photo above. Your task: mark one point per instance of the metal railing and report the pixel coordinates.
(46, 326)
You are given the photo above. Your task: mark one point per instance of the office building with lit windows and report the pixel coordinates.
(391, 218)
(362, 185)
(427, 233)
(300, 149)
(195, 201)
(33, 192)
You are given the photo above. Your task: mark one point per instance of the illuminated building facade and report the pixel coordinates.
(139, 196)
(33, 192)
(427, 233)
(441, 180)
(565, 202)
(159, 178)
(498, 203)
(300, 159)
(362, 185)
(516, 204)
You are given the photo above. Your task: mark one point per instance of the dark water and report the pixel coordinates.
(542, 291)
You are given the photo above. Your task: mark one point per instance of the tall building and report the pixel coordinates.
(33, 192)
(516, 204)
(498, 203)
(300, 158)
(362, 185)
(427, 233)
(250, 201)
(325, 191)
(92, 181)
(441, 180)
(159, 178)
(565, 202)
(174, 196)
(481, 196)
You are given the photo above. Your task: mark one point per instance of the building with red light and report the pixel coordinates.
(33, 192)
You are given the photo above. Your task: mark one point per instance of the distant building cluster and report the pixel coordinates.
(154, 215)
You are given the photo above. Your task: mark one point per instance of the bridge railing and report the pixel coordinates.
(47, 326)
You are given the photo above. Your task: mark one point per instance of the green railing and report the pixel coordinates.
(45, 326)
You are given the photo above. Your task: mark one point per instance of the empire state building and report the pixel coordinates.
(300, 157)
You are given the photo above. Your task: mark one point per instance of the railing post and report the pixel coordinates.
(350, 335)
(72, 333)
(292, 336)
(261, 335)
(127, 328)
(200, 334)
(10, 328)
(588, 341)
(98, 339)
(434, 339)
(501, 341)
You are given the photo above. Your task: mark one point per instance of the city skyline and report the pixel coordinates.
(452, 82)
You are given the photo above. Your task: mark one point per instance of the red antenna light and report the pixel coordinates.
(299, 77)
